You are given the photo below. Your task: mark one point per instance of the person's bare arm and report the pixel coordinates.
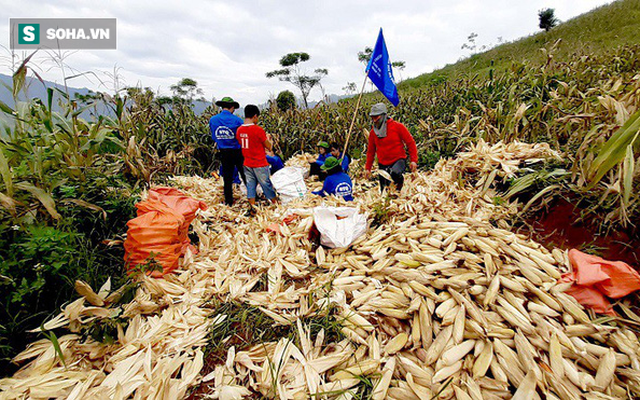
(268, 144)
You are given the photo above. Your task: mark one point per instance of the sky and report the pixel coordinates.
(228, 46)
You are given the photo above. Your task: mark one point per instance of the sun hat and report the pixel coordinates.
(324, 144)
(378, 109)
(227, 102)
(329, 163)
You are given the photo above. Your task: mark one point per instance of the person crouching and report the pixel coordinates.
(316, 165)
(337, 182)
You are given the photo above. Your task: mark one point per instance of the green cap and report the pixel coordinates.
(329, 163)
(324, 144)
(227, 102)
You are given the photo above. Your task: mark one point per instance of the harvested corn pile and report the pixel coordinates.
(439, 298)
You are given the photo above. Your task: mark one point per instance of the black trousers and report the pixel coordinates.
(396, 170)
(315, 170)
(231, 158)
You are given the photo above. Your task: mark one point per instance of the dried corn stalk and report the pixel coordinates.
(442, 300)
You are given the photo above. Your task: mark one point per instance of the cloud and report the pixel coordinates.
(227, 47)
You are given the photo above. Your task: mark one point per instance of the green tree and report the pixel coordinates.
(399, 65)
(186, 90)
(292, 72)
(350, 88)
(365, 55)
(547, 19)
(471, 42)
(286, 100)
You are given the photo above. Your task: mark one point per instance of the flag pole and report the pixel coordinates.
(353, 120)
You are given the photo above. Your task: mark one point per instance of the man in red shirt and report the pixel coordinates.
(254, 140)
(388, 140)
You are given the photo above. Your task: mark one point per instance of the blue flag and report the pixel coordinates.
(380, 73)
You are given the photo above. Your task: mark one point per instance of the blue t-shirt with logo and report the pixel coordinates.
(322, 158)
(223, 129)
(338, 184)
(275, 163)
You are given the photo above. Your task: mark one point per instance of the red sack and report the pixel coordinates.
(595, 279)
(161, 228)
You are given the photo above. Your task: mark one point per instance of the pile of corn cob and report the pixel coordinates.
(441, 300)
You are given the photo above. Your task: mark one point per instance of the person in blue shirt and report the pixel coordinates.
(337, 182)
(223, 131)
(275, 162)
(336, 151)
(323, 153)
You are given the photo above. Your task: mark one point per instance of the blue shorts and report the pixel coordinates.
(259, 175)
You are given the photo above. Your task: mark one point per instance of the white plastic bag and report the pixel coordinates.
(289, 183)
(339, 226)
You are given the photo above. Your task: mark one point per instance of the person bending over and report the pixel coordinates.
(387, 141)
(337, 182)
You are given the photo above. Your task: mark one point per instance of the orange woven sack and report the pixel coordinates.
(179, 202)
(594, 279)
(156, 230)
(183, 204)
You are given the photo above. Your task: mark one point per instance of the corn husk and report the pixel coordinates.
(443, 298)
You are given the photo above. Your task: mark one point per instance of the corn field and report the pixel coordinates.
(440, 299)
(575, 106)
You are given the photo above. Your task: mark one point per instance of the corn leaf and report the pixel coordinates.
(614, 150)
(539, 195)
(7, 176)
(8, 203)
(87, 205)
(627, 174)
(20, 76)
(54, 341)
(5, 108)
(42, 196)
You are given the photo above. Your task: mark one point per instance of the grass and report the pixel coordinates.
(244, 326)
(595, 32)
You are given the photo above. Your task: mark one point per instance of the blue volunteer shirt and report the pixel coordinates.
(345, 163)
(275, 164)
(322, 157)
(338, 184)
(223, 129)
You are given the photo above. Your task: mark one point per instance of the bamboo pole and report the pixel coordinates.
(353, 120)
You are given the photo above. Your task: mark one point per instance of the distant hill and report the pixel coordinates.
(599, 30)
(35, 89)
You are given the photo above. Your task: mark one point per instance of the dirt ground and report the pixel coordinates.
(559, 226)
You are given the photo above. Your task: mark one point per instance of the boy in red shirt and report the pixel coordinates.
(254, 140)
(388, 140)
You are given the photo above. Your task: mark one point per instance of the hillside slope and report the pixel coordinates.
(597, 31)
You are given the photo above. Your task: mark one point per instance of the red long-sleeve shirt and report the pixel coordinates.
(392, 147)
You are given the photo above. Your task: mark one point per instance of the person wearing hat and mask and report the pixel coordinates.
(323, 153)
(388, 140)
(337, 182)
(223, 128)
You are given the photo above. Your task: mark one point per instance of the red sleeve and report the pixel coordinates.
(408, 140)
(371, 151)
